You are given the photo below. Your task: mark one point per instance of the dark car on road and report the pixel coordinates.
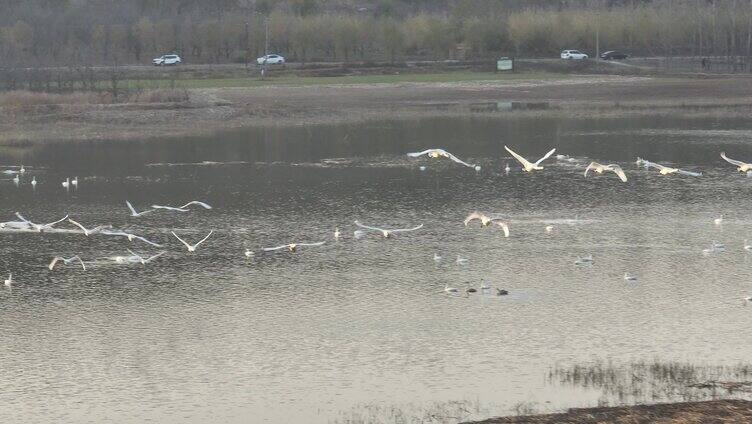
(613, 54)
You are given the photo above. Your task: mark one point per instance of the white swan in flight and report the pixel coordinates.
(88, 232)
(143, 260)
(66, 261)
(135, 213)
(388, 233)
(130, 236)
(292, 247)
(184, 207)
(40, 227)
(598, 168)
(666, 170)
(485, 220)
(441, 153)
(527, 165)
(192, 247)
(742, 166)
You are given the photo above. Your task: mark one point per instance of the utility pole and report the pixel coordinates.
(266, 46)
(246, 45)
(597, 36)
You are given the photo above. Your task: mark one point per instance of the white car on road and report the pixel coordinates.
(168, 59)
(573, 54)
(271, 59)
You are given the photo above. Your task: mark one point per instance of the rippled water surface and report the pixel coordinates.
(215, 337)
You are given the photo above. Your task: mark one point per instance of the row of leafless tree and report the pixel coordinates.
(85, 32)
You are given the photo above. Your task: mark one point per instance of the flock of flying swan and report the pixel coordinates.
(595, 167)
(25, 225)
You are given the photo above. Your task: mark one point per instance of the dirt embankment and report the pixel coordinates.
(209, 110)
(719, 411)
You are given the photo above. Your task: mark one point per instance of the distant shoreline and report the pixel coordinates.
(182, 112)
(719, 411)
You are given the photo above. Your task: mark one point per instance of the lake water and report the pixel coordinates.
(323, 334)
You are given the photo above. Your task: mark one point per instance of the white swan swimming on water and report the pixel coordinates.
(747, 246)
(741, 166)
(436, 258)
(291, 247)
(9, 281)
(527, 165)
(192, 247)
(719, 220)
(441, 153)
(40, 227)
(337, 234)
(388, 233)
(630, 277)
(448, 289)
(66, 261)
(598, 168)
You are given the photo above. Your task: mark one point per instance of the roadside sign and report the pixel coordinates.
(505, 64)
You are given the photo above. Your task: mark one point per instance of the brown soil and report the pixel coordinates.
(211, 110)
(720, 411)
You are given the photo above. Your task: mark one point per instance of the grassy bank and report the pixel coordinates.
(717, 411)
(294, 80)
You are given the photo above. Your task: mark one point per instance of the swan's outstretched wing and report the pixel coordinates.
(80, 261)
(689, 173)
(732, 161)
(311, 244)
(592, 165)
(56, 222)
(151, 258)
(55, 260)
(181, 240)
(472, 216)
(77, 225)
(23, 219)
(402, 230)
(369, 228)
(145, 240)
(204, 239)
(526, 163)
(419, 154)
(504, 227)
(196, 202)
(169, 208)
(458, 160)
(619, 172)
(550, 152)
(657, 166)
(271, 249)
(134, 254)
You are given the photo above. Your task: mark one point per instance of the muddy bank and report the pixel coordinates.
(210, 110)
(718, 411)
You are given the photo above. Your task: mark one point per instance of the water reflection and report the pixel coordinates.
(214, 336)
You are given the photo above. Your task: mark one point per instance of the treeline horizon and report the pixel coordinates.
(37, 33)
